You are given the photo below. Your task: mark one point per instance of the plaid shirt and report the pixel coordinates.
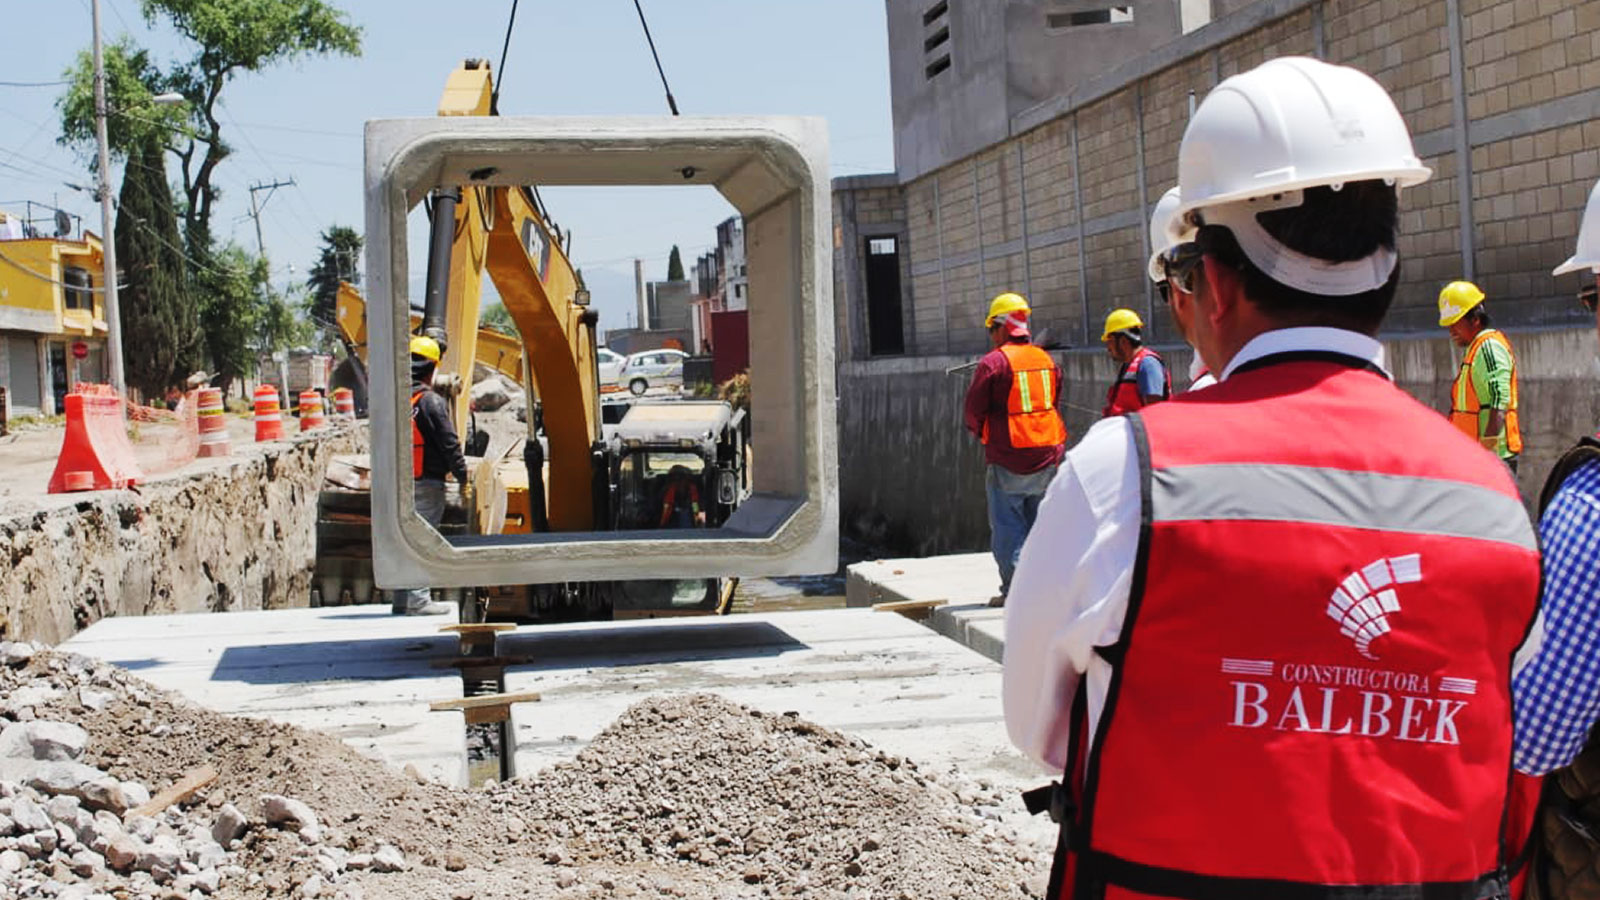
(1557, 694)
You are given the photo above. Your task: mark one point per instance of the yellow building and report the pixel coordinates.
(52, 316)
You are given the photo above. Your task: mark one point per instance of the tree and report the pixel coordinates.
(228, 37)
(158, 311)
(234, 308)
(495, 317)
(674, 265)
(132, 81)
(339, 260)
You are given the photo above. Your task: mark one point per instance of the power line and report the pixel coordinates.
(33, 84)
(671, 103)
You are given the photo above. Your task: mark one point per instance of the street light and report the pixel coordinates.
(108, 242)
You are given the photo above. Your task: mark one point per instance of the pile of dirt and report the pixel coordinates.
(686, 796)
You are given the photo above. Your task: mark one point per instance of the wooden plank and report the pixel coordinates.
(900, 605)
(486, 700)
(479, 627)
(177, 792)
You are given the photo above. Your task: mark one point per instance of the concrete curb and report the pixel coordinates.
(964, 581)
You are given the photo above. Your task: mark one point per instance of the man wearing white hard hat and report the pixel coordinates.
(1174, 262)
(1558, 693)
(1267, 628)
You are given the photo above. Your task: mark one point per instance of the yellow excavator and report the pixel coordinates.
(575, 472)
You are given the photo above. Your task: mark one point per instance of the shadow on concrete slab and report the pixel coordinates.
(377, 659)
(647, 642)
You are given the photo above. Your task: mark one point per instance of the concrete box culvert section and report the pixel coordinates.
(774, 171)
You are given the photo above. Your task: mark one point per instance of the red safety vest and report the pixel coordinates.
(1031, 416)
(416, 437)
(1311, 690)
(1124, 394)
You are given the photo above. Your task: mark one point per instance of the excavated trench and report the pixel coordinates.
(234, 533)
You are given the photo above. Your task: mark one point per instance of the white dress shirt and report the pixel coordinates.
(1198, 376)
(1070, 591)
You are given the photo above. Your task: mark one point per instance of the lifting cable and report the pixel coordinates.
(671, 103)
(500, 74)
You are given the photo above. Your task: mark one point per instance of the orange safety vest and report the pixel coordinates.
(1031, 414)
(416, 437)
(669, 501)
(1464, 403)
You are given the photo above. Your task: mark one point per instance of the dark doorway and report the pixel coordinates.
(884, 330)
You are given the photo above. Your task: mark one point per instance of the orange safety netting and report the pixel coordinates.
(112, 442)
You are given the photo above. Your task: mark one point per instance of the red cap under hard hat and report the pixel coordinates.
(1016, 324)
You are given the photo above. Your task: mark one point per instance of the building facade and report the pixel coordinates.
(52, 317)
(1031, 146)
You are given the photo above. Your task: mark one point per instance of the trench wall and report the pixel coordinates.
(227, 534)
(911, 478)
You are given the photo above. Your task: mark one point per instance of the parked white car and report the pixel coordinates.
(610, 365)
(652, 369)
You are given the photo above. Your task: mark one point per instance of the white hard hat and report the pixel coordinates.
(1293, 123)
(1167, 230)
(1588, 255)
(1260, 138)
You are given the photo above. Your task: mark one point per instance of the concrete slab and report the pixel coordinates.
(875, 675)
(355, 672)
(964, 581)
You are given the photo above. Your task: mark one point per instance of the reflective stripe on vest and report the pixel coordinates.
(1124, 394)
(1311, 693)
(416, 437)
(1466, 408)
(1031, 416)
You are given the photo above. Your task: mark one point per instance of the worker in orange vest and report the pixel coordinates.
(1483, 400)
(1012, 408)
(435, 453)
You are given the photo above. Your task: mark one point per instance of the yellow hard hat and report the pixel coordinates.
(1121, 320)
(1455, 300)
(425, 347)
(1003, 305)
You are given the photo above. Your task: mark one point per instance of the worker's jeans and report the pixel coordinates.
(429, 495)
(1013, 505)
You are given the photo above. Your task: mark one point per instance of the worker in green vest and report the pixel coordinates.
(1483, 400)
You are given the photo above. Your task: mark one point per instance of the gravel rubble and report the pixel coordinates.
(683, 796)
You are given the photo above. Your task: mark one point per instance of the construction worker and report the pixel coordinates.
(1142, 377)
(1483, 399)
(1012, 407)
(435, 453)
(1266, 629)
(680, 501)
(1558, 691)
(1174, 259)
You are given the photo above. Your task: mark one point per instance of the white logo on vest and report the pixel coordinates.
(1361, 604)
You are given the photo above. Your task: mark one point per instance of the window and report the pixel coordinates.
(936, 39)
(77, 288)
(1110, 15)
(885, 331)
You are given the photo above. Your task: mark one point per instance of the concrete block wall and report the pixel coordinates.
(911, 478)
(1503, 100)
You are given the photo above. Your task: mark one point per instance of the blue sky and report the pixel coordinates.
(303, 120)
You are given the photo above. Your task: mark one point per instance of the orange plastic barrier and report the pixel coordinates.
(96, 454)
(311, 413)
(269, 416)
(344, 403)
(213, 424)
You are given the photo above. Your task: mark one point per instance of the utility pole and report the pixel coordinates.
(255, 209)
(108, 242)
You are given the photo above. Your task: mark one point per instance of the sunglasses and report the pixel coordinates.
(1589, 296)
(1182, 267)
